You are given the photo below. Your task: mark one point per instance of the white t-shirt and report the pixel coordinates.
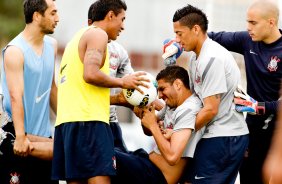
(120, 65)
(184, 116)
(215, 71)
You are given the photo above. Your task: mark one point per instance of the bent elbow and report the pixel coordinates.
(173, 160)
(214, 112)
(88, 79)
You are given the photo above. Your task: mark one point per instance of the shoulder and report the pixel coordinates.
(191, 105)
(95, 32)
(94, 36)
(13, 51)
(196, 100)
(13, 54)
(217, 51)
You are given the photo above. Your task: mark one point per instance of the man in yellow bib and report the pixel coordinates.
(83, 143)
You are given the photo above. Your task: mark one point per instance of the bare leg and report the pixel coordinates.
(42, 150)
(99, 180)
(42, 147)
(76, 182)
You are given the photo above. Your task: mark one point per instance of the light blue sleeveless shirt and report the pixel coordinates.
(38, 76)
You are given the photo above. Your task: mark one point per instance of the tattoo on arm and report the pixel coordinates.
(93, 55)
(217, 96)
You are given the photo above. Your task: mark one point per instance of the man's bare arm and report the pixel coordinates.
(13, 65)
(53, 97)
(171, 149)
(208, 112)
(92, 52)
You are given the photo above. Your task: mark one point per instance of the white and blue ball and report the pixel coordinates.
(135, 98)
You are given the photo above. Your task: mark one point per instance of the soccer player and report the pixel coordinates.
(261, 47)
(29, 89)
(214, 76)
(83, 143)
(120, 66)
(174, 142)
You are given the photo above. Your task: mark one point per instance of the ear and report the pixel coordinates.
(196, 28)
(110, 15)
(272, 22)
(36, 16)
(90, 22)
(177, 84)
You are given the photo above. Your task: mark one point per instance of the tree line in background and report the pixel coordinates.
(11, 19)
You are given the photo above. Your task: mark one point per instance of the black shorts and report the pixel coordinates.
(136, 167)
(23, 170)
(217, 159)
(117, 135)
(83, 150)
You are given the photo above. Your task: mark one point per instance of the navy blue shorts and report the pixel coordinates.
(117, 134)
(217, 160)
(136, 167)
(83, 150)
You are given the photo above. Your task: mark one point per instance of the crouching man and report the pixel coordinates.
(175, 139)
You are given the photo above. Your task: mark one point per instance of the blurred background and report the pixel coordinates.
(148, 23)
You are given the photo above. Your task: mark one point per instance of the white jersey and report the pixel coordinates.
(215, 71)
(120, 65)
(184, 116)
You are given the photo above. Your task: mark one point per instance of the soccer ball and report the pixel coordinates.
(135, 98)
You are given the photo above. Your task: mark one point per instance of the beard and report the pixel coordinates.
(47, 31)
(46, 28)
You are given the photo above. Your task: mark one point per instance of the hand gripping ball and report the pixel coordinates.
(135, 98)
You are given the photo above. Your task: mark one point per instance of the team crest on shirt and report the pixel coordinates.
(197, 79)
(15, 178)
(273, 64)
(169, 126)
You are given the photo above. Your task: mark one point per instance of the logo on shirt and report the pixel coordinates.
(272, 65)
(252, 52)
(199, 177)
(15, 178)
(63, 79)
(169, 126)
(197, 79)
(39, 98)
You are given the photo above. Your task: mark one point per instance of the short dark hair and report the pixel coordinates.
(99, 9)
(190, 16)
(171, 73)
(31, 6)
